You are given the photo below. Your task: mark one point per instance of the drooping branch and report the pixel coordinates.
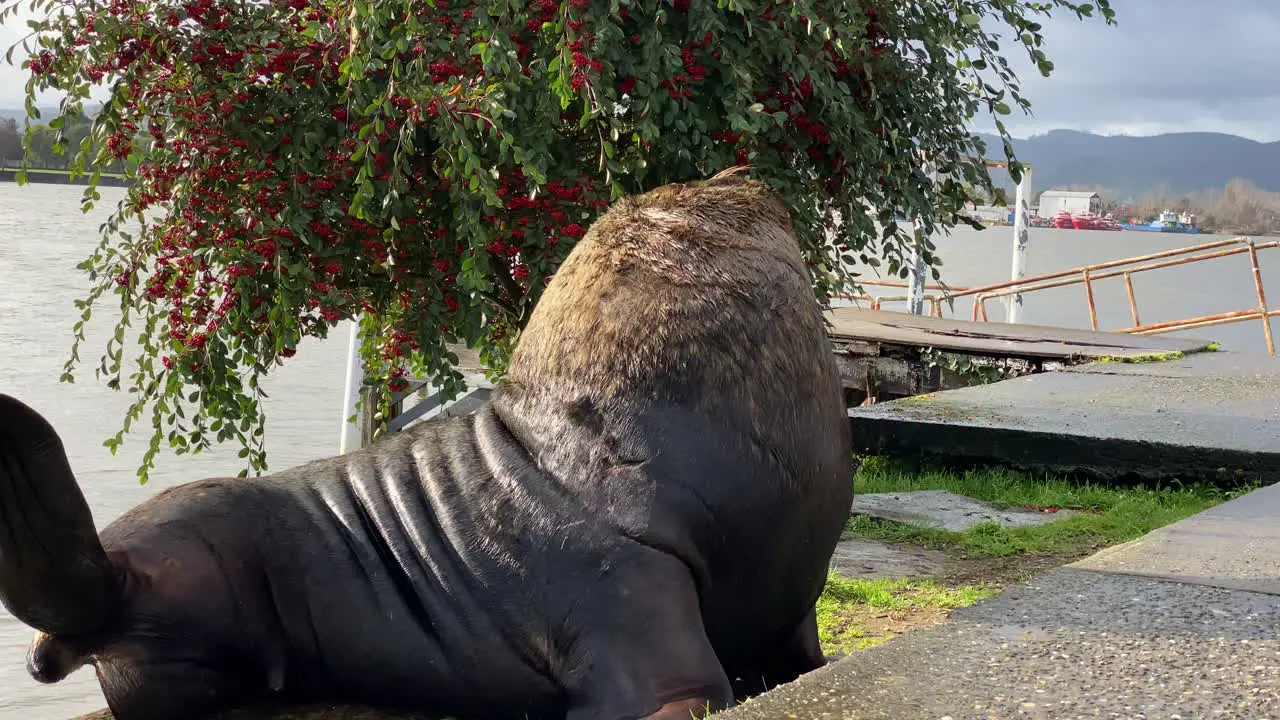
(294, 150)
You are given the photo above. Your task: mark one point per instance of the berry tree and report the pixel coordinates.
(423, 166)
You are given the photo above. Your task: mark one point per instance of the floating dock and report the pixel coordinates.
(887, 355)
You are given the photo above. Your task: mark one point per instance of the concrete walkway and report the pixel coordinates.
(1182, 623)
(1205, 416)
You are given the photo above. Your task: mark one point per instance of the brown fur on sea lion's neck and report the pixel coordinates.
(692, 294)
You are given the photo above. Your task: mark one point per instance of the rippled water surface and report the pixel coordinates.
(43, 235)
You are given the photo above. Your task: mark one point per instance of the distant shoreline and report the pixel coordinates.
(62, 177)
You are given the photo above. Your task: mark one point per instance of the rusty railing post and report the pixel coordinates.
(1133, 304)
(1088, 291)
(1262, 299)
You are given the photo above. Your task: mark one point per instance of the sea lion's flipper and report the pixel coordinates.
(798, 653)
(54, 574)
(642, 651)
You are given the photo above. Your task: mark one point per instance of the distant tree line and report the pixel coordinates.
(41, 153)
(1238, 208)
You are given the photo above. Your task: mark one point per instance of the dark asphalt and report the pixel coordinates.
(1071, 644)
(1205, 416)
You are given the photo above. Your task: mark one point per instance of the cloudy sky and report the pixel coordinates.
(1170, 65)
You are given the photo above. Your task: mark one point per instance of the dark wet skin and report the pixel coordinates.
(442, 569)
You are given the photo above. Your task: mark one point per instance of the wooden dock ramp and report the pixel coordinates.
(885, 355)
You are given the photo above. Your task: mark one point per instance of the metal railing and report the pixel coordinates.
(875, 302)
(1087, 275)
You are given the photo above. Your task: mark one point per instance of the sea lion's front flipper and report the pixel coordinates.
(642, 650)
(793, 655)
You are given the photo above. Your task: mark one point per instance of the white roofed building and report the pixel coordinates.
(1053, 202)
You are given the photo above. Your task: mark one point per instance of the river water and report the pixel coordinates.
(43, 235)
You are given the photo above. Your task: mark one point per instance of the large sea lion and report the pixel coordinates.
(638, 523)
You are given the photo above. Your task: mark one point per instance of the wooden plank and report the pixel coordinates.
(997, 339)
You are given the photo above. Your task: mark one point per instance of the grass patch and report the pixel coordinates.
(854, 614)
(1109, 514)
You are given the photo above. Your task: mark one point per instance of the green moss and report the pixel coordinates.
(1142, 358)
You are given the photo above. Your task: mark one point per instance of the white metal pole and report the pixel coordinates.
(915, 268)
(1021, 235)
(350, 438)
(915, 273)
